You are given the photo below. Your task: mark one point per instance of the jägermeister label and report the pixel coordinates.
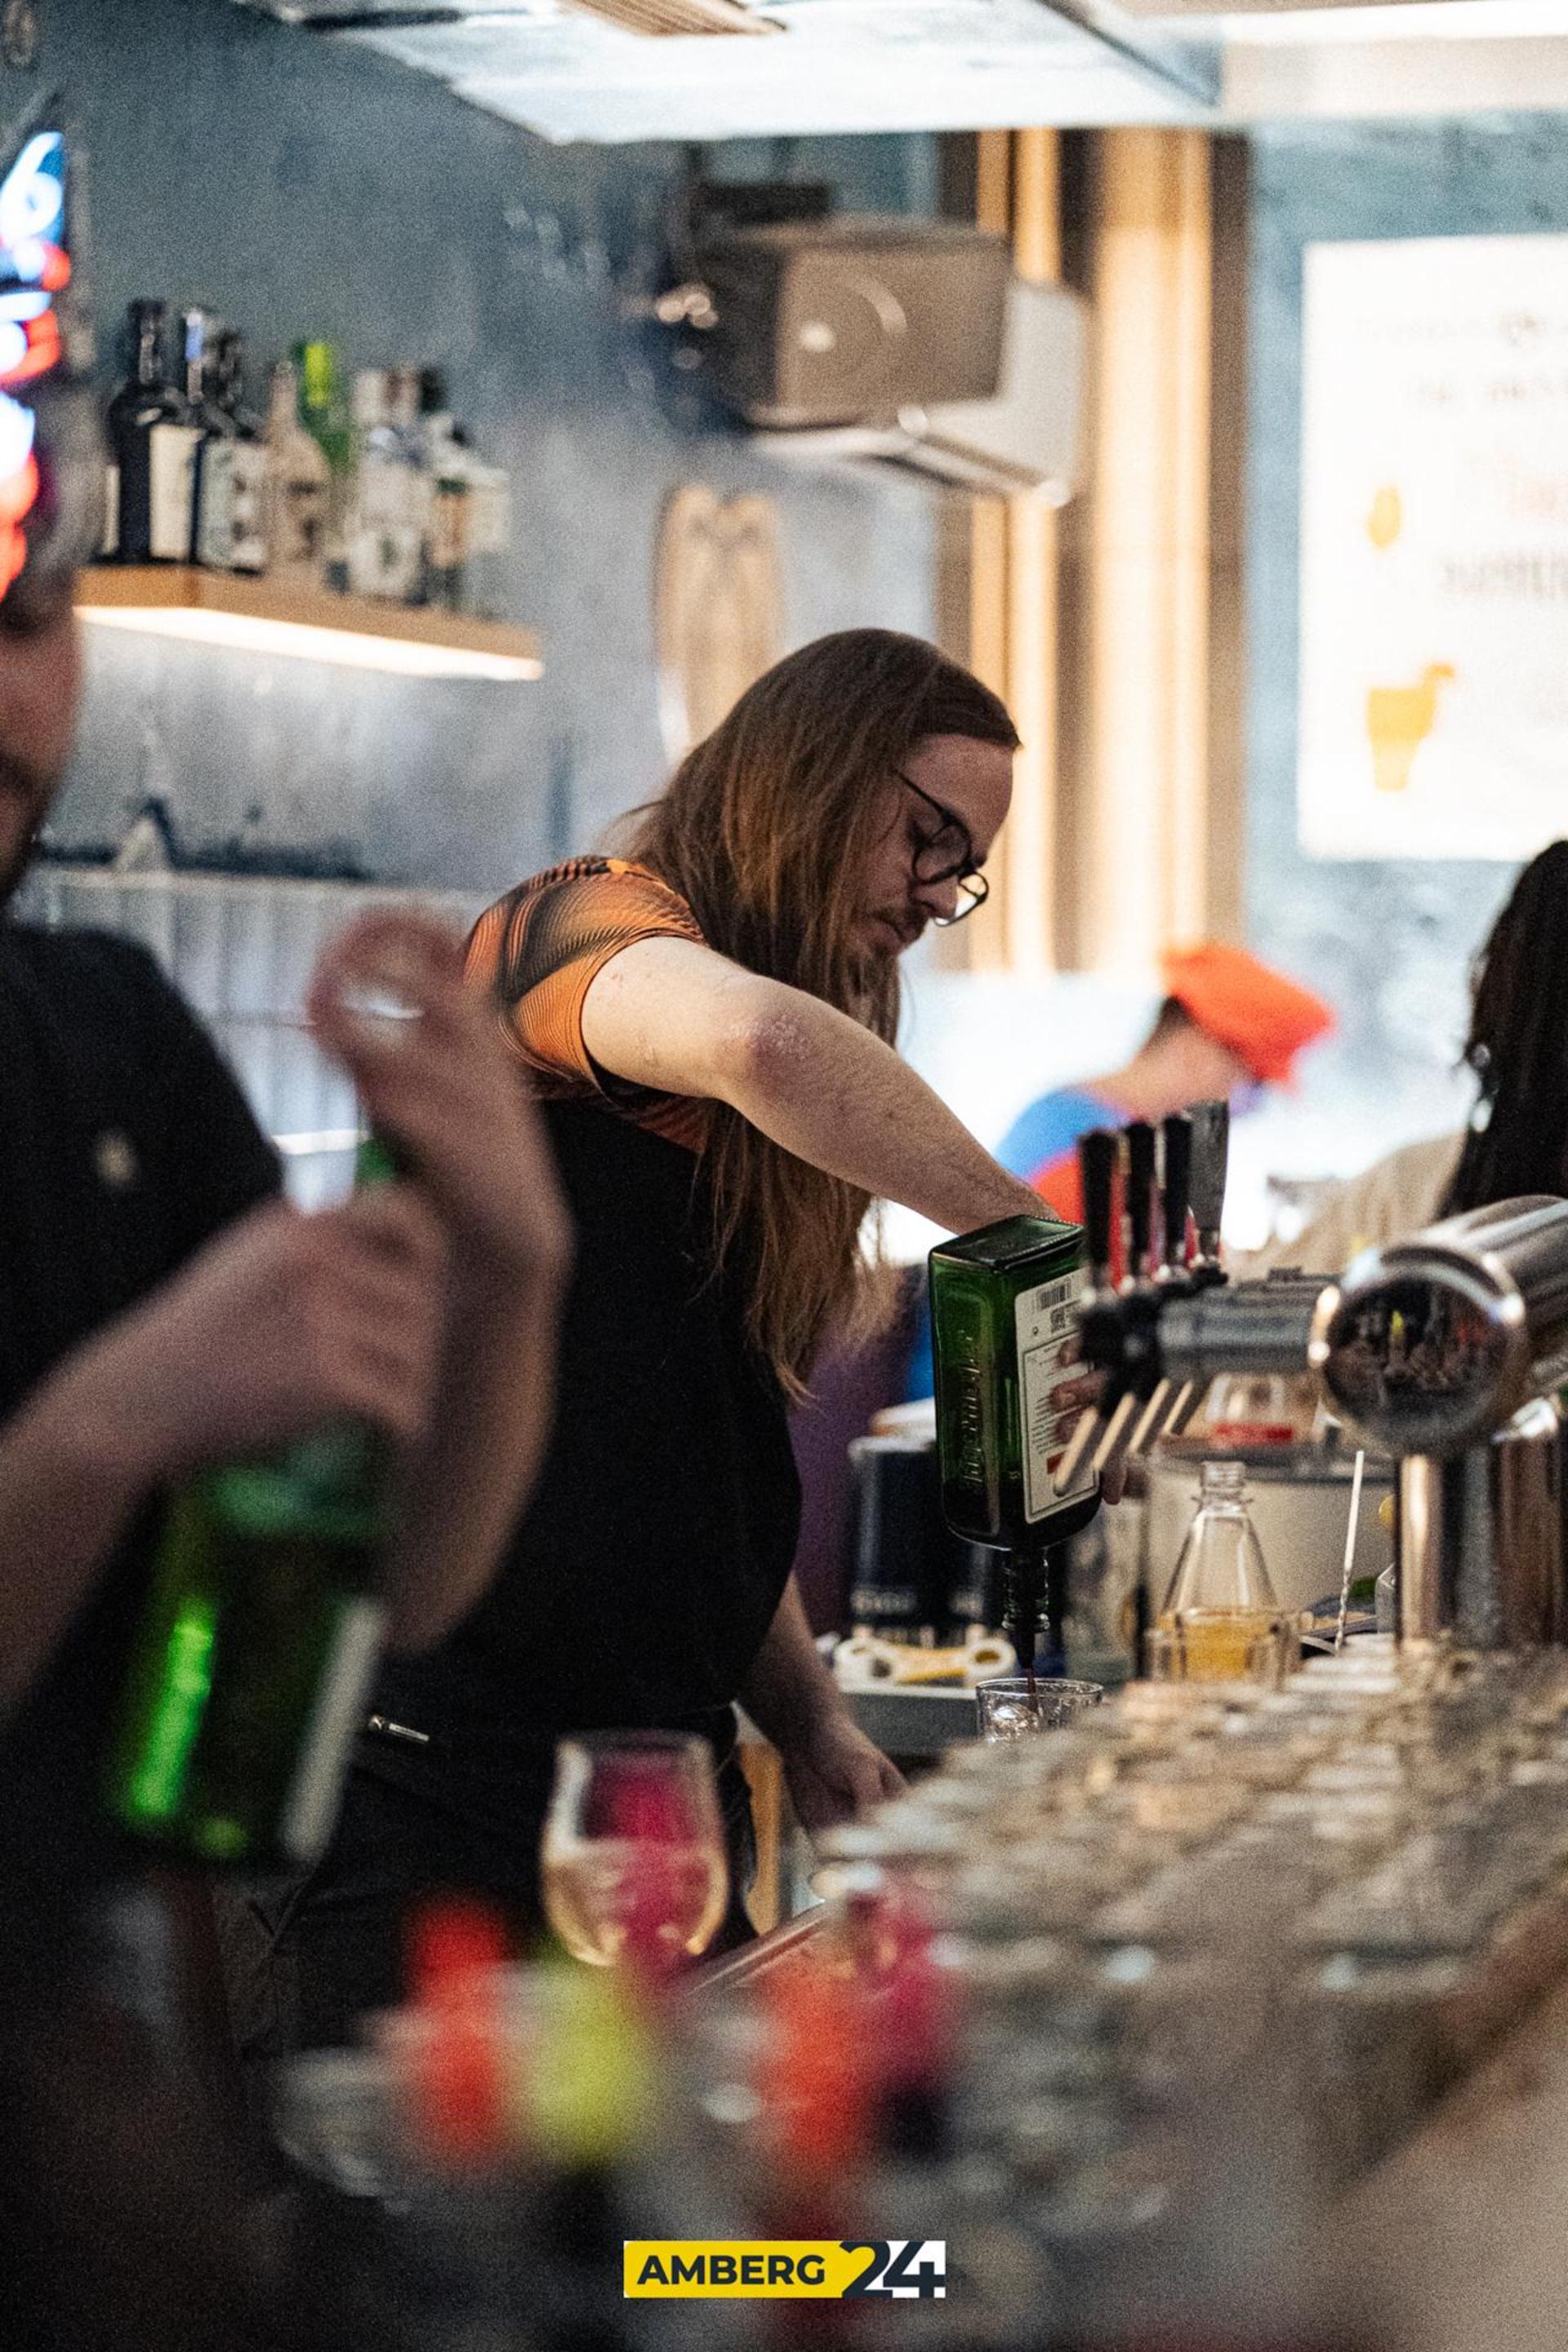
(1003, 1306)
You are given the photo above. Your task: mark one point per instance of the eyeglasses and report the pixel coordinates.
(947, 854)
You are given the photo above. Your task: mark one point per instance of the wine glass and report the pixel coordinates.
(632, 1859)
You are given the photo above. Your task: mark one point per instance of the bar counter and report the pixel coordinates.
(1313, 1979)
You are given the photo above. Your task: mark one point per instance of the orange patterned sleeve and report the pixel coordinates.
(538, 950)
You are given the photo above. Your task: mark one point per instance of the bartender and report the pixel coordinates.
(708, 1023)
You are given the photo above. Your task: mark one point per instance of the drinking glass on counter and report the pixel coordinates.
(1221, 1645)
(1012, 1706)
(633, 1860)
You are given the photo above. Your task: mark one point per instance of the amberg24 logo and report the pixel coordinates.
(818, 2268)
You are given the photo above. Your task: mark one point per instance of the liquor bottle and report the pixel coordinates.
(488, 520)
(403, 389)
(447, 469)
(325, 415)
(257, 1646)
(1004, 1305)
(298, 485)
(386, 537)
(1221, 1605)
(151, 444)
(231, 471)
(198, 344)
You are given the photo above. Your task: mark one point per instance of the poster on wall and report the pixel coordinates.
(1433, 711)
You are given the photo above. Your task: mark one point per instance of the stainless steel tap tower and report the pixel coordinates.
(1440, 1351)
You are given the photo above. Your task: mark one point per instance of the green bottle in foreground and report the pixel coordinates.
(1004, 1304)
(257, 1645)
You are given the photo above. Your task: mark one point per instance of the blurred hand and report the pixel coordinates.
(282, 1323)
(1083, 1393)
(443, 1088)
(835, 1772)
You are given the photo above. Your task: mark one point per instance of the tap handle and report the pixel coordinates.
(1140, 1197)
(1176, 1197)
(1097, 1157)
(1211, 1154)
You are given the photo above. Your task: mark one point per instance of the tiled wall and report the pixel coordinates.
(300, 186)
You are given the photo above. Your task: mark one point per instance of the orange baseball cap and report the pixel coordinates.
(1264, 1018)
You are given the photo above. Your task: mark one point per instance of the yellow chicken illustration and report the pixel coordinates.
(1399, 721)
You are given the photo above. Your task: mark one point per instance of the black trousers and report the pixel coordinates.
(305, 1958)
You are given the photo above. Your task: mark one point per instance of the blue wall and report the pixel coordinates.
(302, 186)
(1391, 943)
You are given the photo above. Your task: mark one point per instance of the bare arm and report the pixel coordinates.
(670, 1013)
(832, 1769)
(67, 1492)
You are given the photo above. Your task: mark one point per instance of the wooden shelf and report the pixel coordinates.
(224, 608)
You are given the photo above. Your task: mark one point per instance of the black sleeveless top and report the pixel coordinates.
(649, 1564)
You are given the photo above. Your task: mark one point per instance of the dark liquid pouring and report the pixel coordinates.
(1025, 1591)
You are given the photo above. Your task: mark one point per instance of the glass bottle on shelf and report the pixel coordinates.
(369, 502)
(449, 489)
(211, 474)
(152, 449)
(386, 537)
(257, 1645)
(324, 414)
(299, 483)
(231, 471)
(1221, 1606)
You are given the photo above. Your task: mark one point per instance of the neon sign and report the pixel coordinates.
(33, 268)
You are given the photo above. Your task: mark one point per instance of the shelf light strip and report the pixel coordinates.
(299, 641)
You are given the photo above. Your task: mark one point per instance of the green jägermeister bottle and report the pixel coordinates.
(1004, 1304)
(256, 1648)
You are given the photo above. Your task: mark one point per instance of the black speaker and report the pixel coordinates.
(852, 319)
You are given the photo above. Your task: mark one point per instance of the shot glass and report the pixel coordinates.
(1009, 1710)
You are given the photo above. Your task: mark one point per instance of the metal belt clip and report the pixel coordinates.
(390, 1731)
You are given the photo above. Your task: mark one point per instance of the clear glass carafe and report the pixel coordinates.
(1221, 1615)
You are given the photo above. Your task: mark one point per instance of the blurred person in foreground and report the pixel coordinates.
(708, 1023)
(1516, 1142)
(161, 1308)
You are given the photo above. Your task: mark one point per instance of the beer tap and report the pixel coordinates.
(1140, 1304)
(1171, 1272)
(1098, 1157)
(1208, 1166)
(1117, 1331)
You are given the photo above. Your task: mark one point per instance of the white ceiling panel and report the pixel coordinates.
(841, 66)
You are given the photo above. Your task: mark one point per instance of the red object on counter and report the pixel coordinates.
(456, 1946)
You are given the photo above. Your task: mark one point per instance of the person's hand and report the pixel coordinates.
(282, 1323)
(1082, 1394)
(441, 1087)
(834, 1772)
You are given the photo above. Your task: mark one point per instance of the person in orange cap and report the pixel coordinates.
(1227, 1025)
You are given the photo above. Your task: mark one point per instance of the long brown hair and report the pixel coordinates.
(1518, 1045)
(766, 829)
